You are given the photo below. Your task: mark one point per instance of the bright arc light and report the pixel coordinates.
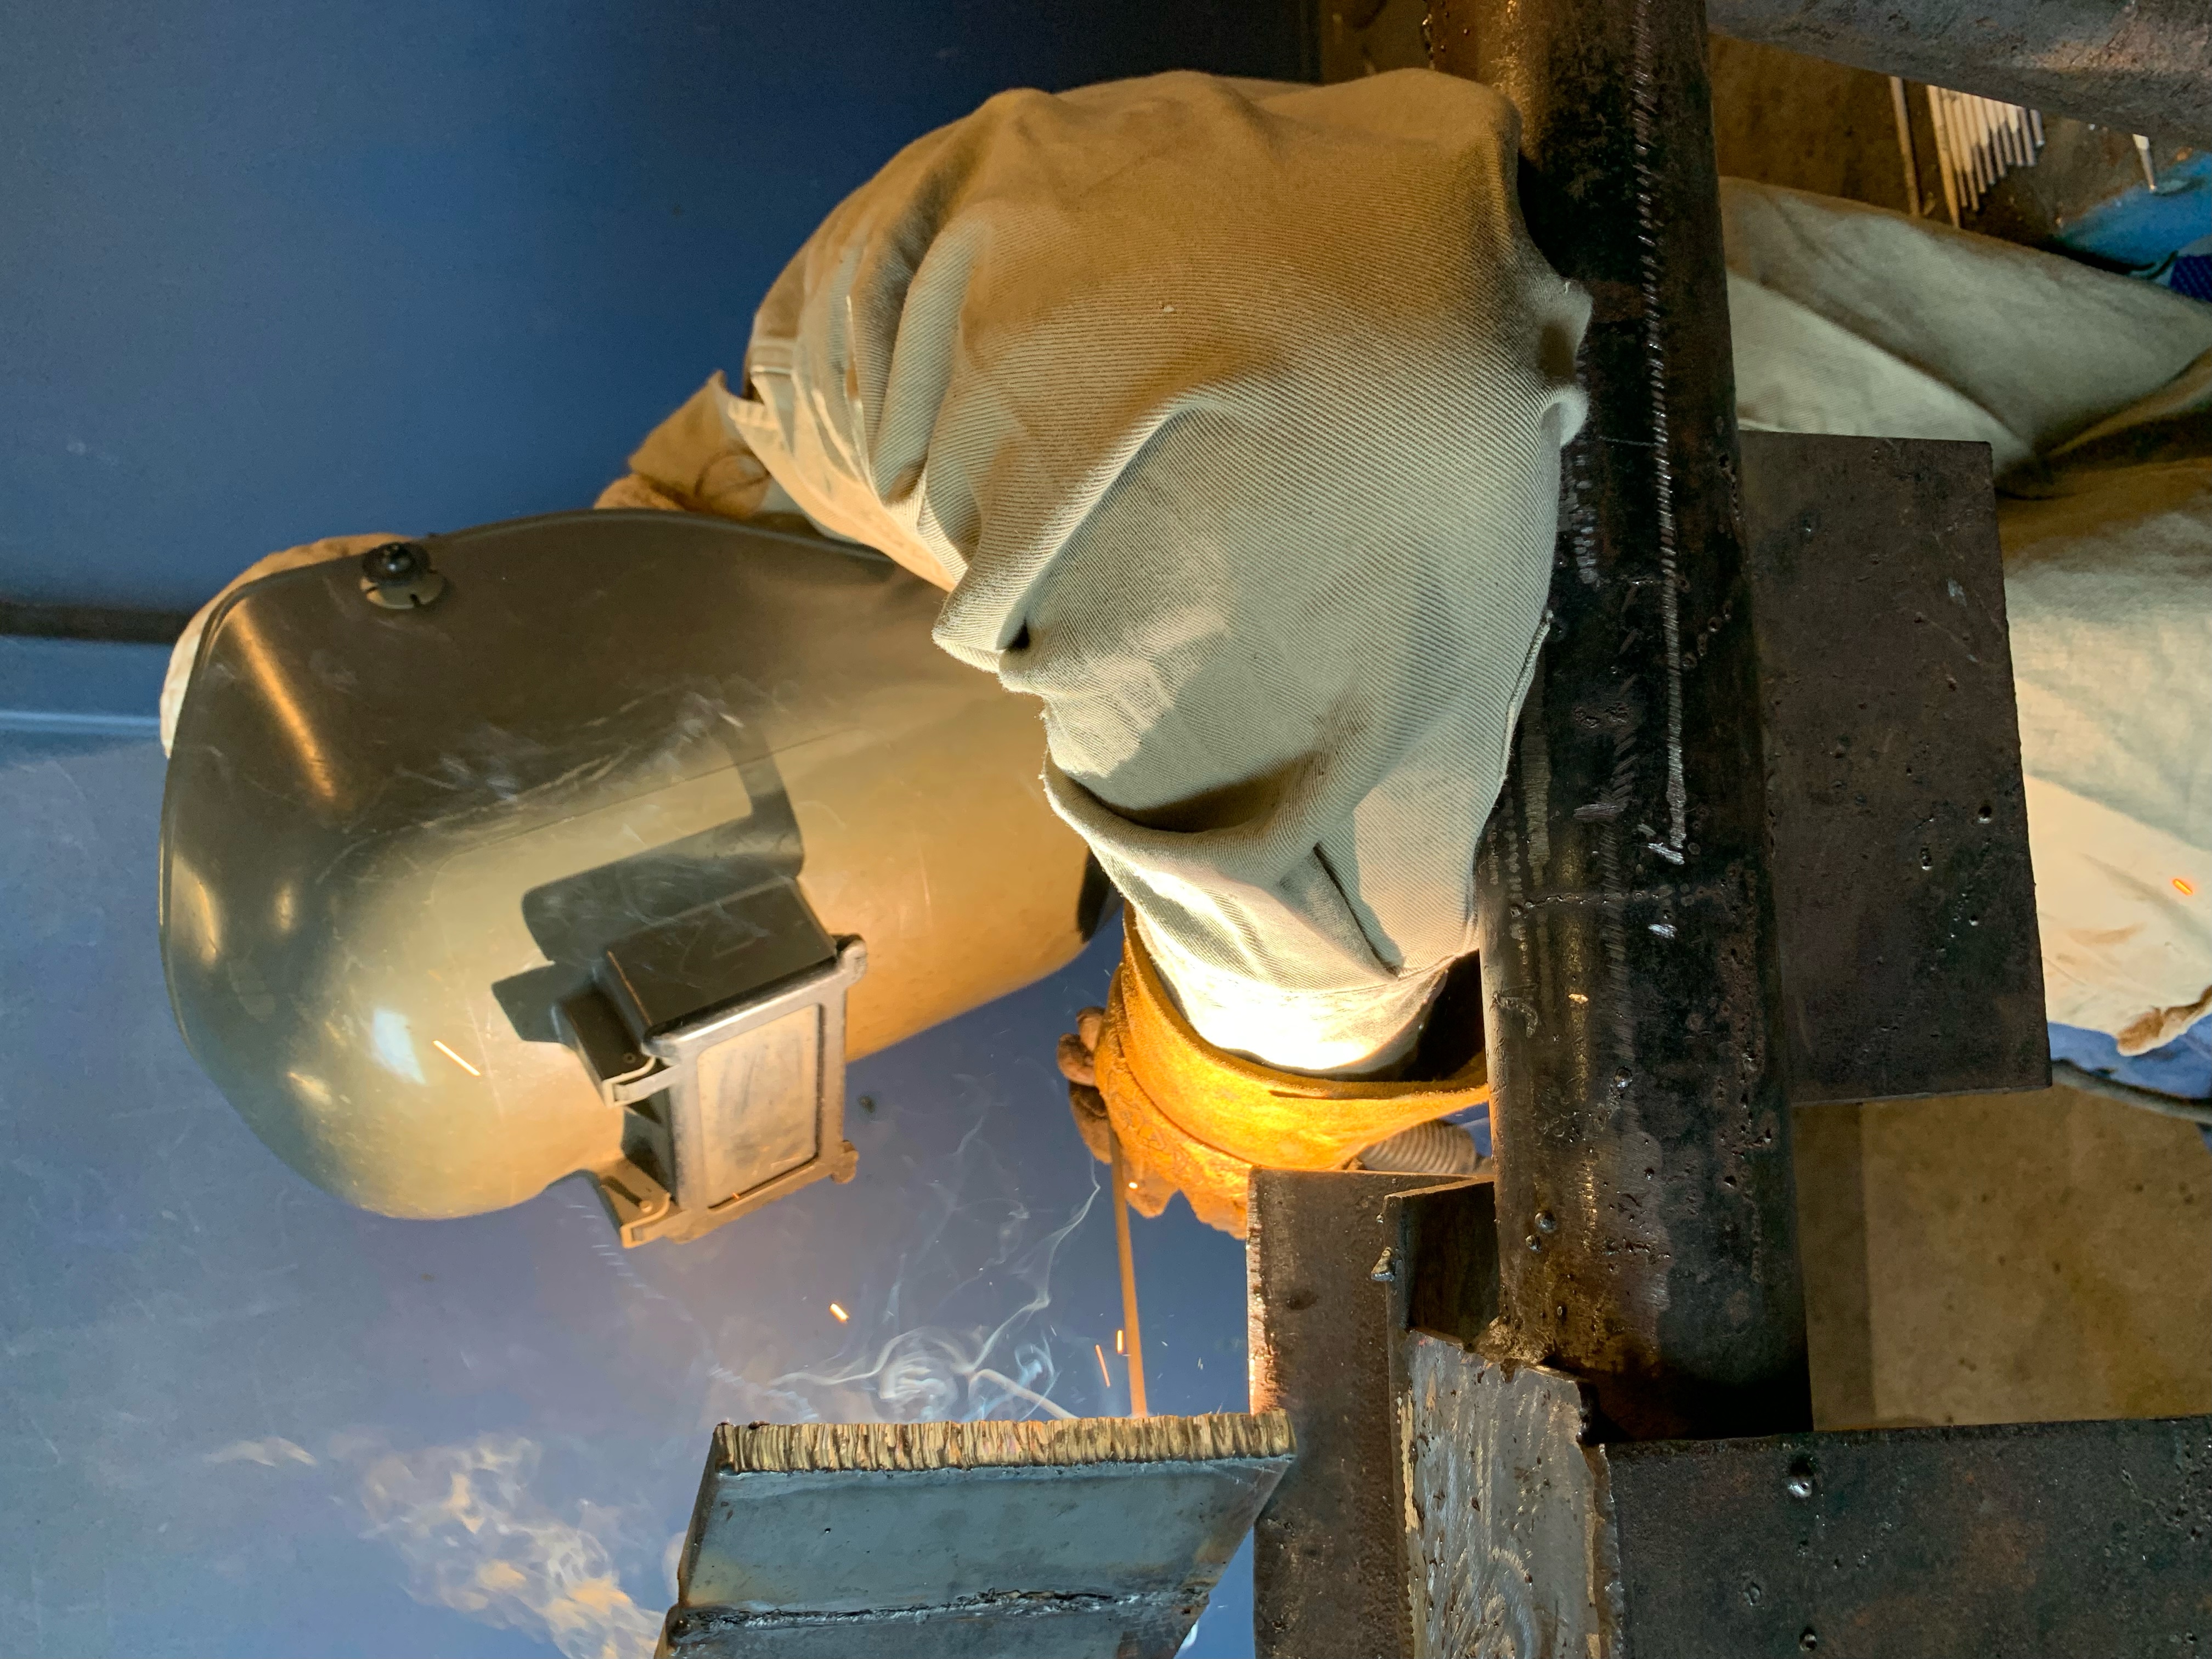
(839, 1313)
(455, 1057)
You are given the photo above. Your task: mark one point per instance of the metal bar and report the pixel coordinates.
(91, 622)
(1904, 113)
(2065, 1071)
(1530, 1537)
(2028, 1538)
(2141, 67)
(1329, 1552)
(1946, 165)
(1645, 1192)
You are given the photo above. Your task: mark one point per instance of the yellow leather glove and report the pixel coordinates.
(1193, 1120)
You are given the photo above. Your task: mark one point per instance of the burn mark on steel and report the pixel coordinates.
(1576, 513)
(1584, 899)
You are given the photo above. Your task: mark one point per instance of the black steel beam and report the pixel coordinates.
(2142, 66)
(1644, 1190)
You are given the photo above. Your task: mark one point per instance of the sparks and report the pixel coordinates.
(1102, 1371)
(838, 1313)
(1118, 1337)
(2184, 886)
(455, 1057)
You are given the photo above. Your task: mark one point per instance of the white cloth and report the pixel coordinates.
(1851, 319)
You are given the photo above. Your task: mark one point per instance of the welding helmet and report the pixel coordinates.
(597, 842)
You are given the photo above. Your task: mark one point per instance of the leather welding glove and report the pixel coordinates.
(1193, 1119)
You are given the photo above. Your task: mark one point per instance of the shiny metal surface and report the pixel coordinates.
(398, 847)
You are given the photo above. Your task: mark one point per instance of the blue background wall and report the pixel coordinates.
(272, 272)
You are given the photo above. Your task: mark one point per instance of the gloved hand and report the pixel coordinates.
(1149, 1191)
(1192, 1119)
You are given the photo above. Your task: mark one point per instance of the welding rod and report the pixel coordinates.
(1136, 1354)
(2142, 154)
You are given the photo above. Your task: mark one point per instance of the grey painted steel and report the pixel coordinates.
(1062, 1562)
(1328, 1559)
(1639, 1121)
(1896, 816)
(2144, 66)
(2019, 1539)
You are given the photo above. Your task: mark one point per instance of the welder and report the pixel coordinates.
(1227, 417)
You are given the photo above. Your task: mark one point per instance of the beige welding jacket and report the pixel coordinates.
(1230, 416)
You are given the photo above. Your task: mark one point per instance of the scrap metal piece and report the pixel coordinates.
(1062, 1540)
(2034, 1538)
(1631, 981)
(1896, 821)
